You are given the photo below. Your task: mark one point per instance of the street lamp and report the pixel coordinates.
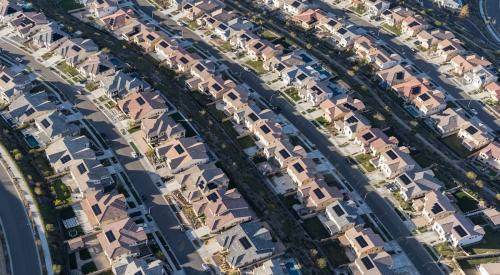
(149, 209)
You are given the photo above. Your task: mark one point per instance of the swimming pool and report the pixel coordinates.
(31, 141)
(324, 74)
(292, 269)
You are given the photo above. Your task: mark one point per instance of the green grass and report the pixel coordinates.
(335, 253)
(134, 129)
(469, 266)
(246, 142)
(85, 254)
(269, 35)
(455, 144)
(135, 148)
(445, 250)
(225, 46)
(423, 158)
(47, 55)
(70, 5)
(91, 86)
(364, 160)
(394, 29)
(67, 69)
(89, 268)
(315, 228)
(322, 121)
(360, 9)
(62, 193)
(257, 66)
(179, 119)
(192, 25)
(489, 244)
(465, 202)
(293, 93)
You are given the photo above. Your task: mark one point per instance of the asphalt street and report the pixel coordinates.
(386, 214)
(492, 12)
(160, 209)
(23, 252)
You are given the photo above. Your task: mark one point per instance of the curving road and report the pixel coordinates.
(21, 243)
(492, 14)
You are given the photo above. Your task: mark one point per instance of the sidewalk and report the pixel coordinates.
(31, 210)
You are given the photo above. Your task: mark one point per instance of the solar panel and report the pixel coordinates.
(301, 77)
(400, 75)
(217, 87)
(265, 129)
(338, 210)
(140, 101)
(223, 27)
(81, 168)
(212, 197)
(5, 78)
(367, 262)
(415, 90)
(150, 37)
(367, 136)
(332, 23)
(361, 241)
(163, 44)
(183, 60)
(232, 96)
(45, 123)
(110, 236)
(391, 154)
(245, 243)
(436, 208)
(200, 67)
(30, 111)
(284, 153)
(425, 97)
(65, 159)
(471, 130)
(258, 45)
(352, 119)
(342, 31)
(178, 148)
(319, 193)
(460, 230)
(295, 4)
(76, 48)
(298, 168)
(253, 117)
(405, 179)
(96, 209)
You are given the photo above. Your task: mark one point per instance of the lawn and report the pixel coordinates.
(257, 66)
(489, 244)
(179, 119)
(315, 228)
(455, 144)
(445, 250)
(192, 25)
(423, 158)
(469, 265)
(91, 86)
(85, 254)
(335, 253)
(70, 5)
(322, 121)
(246, 142)
(225, 46)
(67, 69)
(62, 193)
(394, 29)
(293, 93)
(47, 55)
(364, 160)
(269, 35)
(465, 202)
(89, 268)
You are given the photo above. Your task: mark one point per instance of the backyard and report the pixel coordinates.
(335, 253)
(315, 228)
(465, 202)
(489, 244)
(70, 5)
(246, 142)
(61, 192)
(455, 144)
(269, 35)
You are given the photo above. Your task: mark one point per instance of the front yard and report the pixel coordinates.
(257, 66)
(394, 29)
(364, 160)
(292, 93)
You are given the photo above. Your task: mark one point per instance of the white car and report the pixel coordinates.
(134, 154)
(205, 267)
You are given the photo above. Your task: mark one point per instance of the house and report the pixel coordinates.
(129, 266)
(119, 19)
(49, 36)
(309, 18)
(13, 84)
(410, 89)
(449, 48)
(62, 152)
(180, 60)
(343, 37)
(493, 217)
(252, 116)
(464, 64)
(268, 132)
(493, 88)
(434, 206)
(352, 124)
(450, 4)
(329, 24)
(394, 75)
(339, 106)
(394, 162)
(364, 46)
(120, 84)
(101, 8)
(315, 92)
(223, 209)
(89, 175)
(27, 107)
(242, 38)
(283, 152)
(200, 180)
(341, 216)
(181, 154)
(396, 16)
(301, 170)
(192, 11)
(294, 7)
(261, 49)
(450, 121)
(158, 129)
(489, 268)
(479, 76)
(215, 86)
(246, 244)
(458, 230)
(415, 184)
(139, 105)
(374, 141)
(412, 25)
(121, 239)
(26, 24)
(164, 47)
(364, 241)
(490, 155)
(235, 99)
(383, 59)
(76, 50)
(429, 103)
(373, 264)
(376, 7)
(8, 10)
(299, 76)
(96, 66)
(474, 136)
(202, 69)
(278, 64)
(147, 38)
(56, 124)
(316, 195)
(104, 207)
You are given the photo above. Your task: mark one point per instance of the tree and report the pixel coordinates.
(38, 191)
(471, 175)
(497, 196)
(18, 156)
(321, 263)
(49, 227)
(464, 11)
(56, 268)
(479, 183)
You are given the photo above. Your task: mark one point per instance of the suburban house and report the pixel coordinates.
(235, 100)
(49, 36)
(430, 39)
(464, 64)
(156, 130)
(449, 48)
(474, 135)
(415, 184)
(56, 124)
(344, 37)
(315, 92)
(181, 154)
(294, 7)
(62, 152)
(430, 102)
(27, 107)
(364, 241)
(120, 84)
(246, 244)
(373, 264)
(352, 124)
(13, 84)
(395, 17)
(410, 89)
(268, 132)
(309, 18)
(121, 239)
(374, 141)
(139, 105)
(101, 8)
(339, 106)
(26, 24)
(119, 19)
(434, 206)
(165, 46)
(198, 181)
(450, 121)
(301, 170)
(492, 215)
(215, 86)
(458, 230)
(490, 155)
(76, 50)
(412, 25)
(394, 162)
(223, 209)
(376, 7)
(147, 38)
(96, 66)
(480, 76)
(192, 11)
(316, 195)
(341, 216)
(89, 174)
(493, 88)
(103, 208)
(282, 151)
(394, 75)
